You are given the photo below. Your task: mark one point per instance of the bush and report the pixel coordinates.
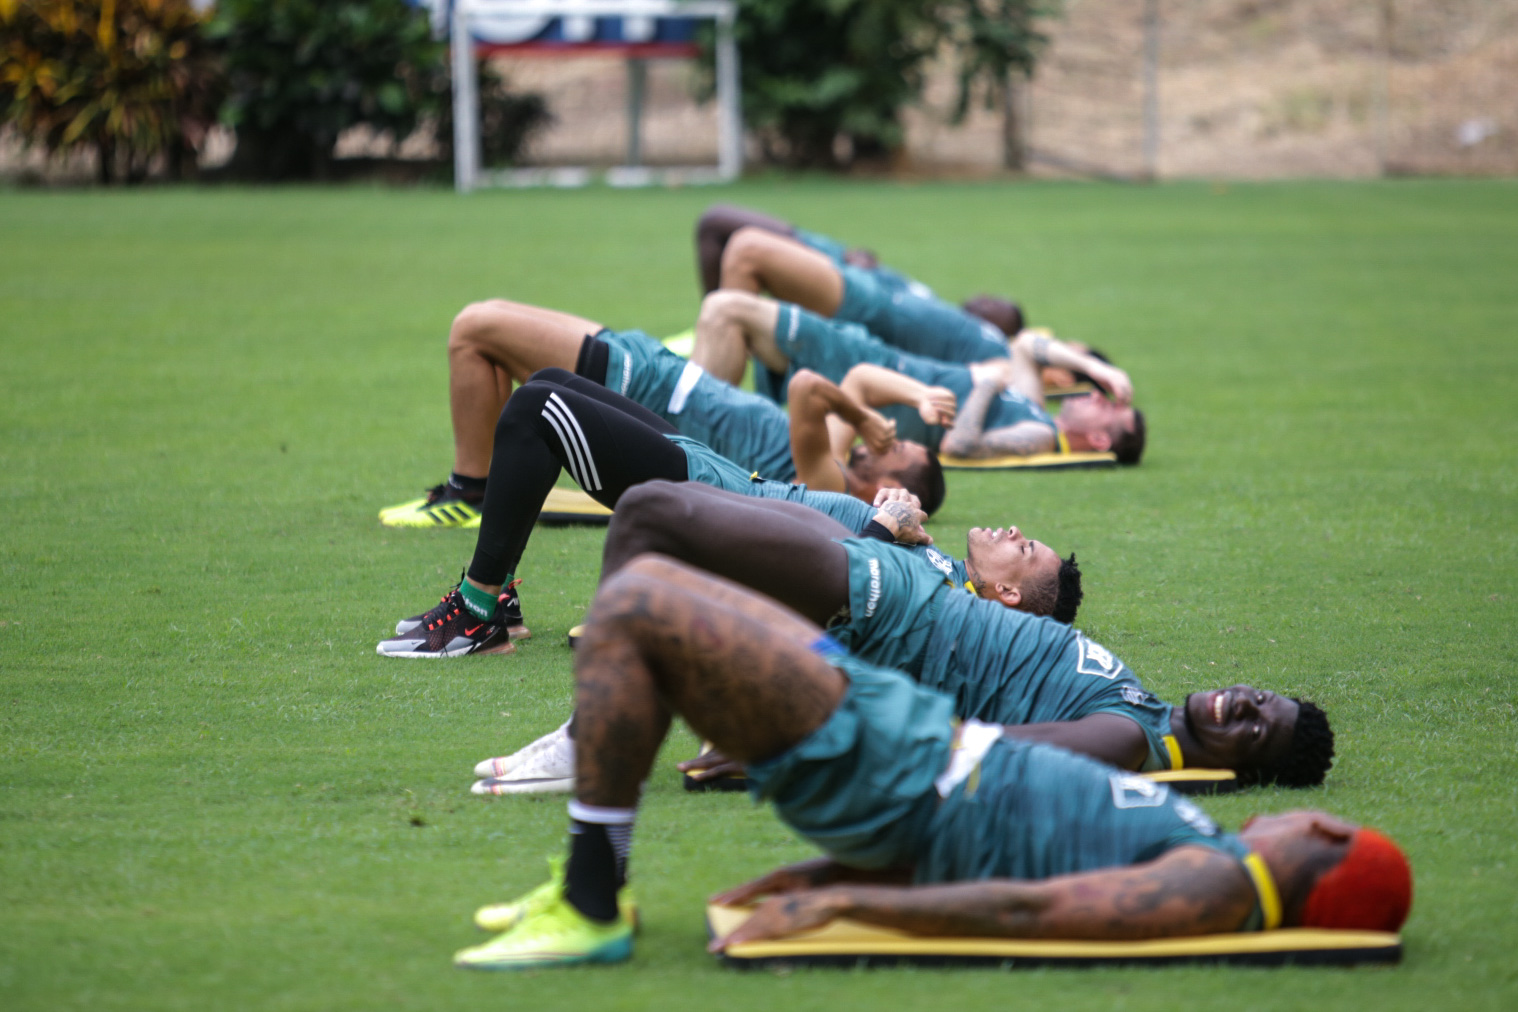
(508, 119)
(817, 72)
(132, 79)
(302, 71)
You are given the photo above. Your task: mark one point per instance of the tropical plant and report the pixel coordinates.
(302, 71)
(817, 72)
(130, 79)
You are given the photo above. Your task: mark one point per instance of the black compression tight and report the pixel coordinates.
(555, 421)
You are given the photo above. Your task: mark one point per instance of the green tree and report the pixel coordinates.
(817, 71)
(302, 71)
(996, 45)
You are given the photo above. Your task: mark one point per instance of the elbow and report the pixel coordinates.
(957, 446)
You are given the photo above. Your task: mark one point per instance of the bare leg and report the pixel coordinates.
(786, 553)
(759, 261)
(730, 327)
(716, 225)
(663, 640)
(491, 344)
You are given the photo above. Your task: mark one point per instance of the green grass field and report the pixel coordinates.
(213, 794)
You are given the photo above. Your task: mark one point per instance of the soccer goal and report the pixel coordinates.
(635, 30)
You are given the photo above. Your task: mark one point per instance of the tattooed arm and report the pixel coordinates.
(1190, 890)
(900, 512)
(968, 437)
(1035, 348)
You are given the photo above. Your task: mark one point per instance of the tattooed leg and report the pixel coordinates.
(665, 639)
(781, 549)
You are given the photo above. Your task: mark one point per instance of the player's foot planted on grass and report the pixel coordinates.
(469, 620)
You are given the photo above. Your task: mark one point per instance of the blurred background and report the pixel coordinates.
(137, 90)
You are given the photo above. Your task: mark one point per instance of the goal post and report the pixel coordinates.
(631, 27)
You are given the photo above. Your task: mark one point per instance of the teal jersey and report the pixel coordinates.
(893, 604)
(749, 430)
(837, 253)
(999, 665)
(832, 349)
(705, 465)
(917, 322)
(872, 786)
(1033, 811)
(861, 785)
(1009, 667)
(952, 569)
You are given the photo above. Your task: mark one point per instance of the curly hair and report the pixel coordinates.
(1059, 597)
(1309, 756)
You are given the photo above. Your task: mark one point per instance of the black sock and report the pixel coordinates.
(592, 879)
(473, 486)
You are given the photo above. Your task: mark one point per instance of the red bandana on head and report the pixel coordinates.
(1370, 890)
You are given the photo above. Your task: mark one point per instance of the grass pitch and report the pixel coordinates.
(213, 794)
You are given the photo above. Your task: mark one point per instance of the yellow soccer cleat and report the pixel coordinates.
(505, 916)
(443, 506)
(551, 933)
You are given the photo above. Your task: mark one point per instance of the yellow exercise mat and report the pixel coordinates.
(1197, 781)
(1074, 390)
(571, 506)
(849, 943)
(1033, 462)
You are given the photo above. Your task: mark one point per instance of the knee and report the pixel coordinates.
(743, 256)
(631, 594)
(552, 374)
(649, 518)
(524, 405)
(473, 321)
(723, 308)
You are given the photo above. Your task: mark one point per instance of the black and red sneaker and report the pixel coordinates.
(451, 630)
(508, 609)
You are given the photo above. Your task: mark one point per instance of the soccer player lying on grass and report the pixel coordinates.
(720, 221)
(558, 421)
(494, 343)
(929, 825)
(982, 642)
(756, 253)
(1000, 401)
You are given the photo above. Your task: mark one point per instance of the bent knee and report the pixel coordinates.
(745, 249)
(725, 306)
(650, 516)
(476, 319)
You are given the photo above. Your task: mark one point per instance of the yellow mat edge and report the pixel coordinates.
(1033, 462)
(565, 500)
(849, 938)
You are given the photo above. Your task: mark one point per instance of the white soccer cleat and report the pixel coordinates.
(545, 766)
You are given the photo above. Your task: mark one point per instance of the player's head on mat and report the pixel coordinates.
(907, 465)
(1021, 573)
(1266, 738)
(1094, 423)
(1003, 314)
(1331, 873)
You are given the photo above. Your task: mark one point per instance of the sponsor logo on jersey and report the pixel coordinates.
(1194, 817)
(939, 561)
(1132, 791)
(1095, 659)
(1134, 696)
(627, 374)
(874, 598)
